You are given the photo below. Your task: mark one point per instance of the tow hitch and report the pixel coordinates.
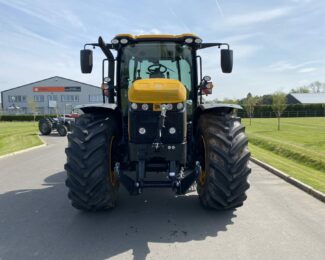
(180, 182)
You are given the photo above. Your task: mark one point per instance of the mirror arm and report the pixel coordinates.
(91, 44)
(105, 49)
(208, 45)
(109, 46)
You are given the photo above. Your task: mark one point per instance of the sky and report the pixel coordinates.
(278, 45)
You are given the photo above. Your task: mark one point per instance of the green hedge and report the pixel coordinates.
(22, 117)
(296, 110)
(289, 151)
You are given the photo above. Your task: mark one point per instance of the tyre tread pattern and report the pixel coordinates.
(227, 159)
(46, 121)
(87, 163)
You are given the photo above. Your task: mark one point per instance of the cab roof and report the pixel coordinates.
(145, 37)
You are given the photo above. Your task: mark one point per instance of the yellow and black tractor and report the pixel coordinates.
(153, 129)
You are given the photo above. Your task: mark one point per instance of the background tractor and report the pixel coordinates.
(153, 129)
(61, 124)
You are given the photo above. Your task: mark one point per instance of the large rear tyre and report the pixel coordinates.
(224, 157)
(90, 163)
(45, 126)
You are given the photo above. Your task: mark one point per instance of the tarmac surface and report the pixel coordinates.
(278, 221)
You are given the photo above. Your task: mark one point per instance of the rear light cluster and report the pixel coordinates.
(145, 107)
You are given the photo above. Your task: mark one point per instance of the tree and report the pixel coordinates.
(279, 104)
(302, 89)
(56, 110)
(229, 101)
(33, 107)
(249, 104)
(316, 87)
(266, 100)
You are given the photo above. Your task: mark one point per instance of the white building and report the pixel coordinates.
(49, 95)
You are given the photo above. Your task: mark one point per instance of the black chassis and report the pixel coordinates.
(185, 152)
(60, 121)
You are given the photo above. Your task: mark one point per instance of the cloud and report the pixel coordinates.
(240, 37)
(73, 19)
(41, 38)
(244, 51)
(146, 31)
(177, 17)
(257, 17)
(303, 82)
(219, 8)
(30, 34)
(29, 11)
(55, 17)
(301, 1)
(282, 66)
(306, 70)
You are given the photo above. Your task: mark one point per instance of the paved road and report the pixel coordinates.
(278, 221)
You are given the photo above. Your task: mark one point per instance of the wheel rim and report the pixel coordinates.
(111, 172)
(202, 175)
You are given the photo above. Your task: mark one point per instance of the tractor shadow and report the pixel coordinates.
(41, 224)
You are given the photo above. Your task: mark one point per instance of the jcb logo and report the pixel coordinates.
(156, 107)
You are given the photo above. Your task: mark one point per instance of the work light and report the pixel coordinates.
(115, 41)
(172, 130)
(180, 106)
(145, 106)
(142, 130)
(124, 41)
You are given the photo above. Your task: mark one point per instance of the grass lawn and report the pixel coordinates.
(298, 149)
(15, 136)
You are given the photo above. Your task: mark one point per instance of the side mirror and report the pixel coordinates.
(86, 61)
(226, 60)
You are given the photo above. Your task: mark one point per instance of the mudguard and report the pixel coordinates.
(101, 107)
(216, 106)
(213, 107)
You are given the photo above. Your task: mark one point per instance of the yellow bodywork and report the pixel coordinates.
(157, 91)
